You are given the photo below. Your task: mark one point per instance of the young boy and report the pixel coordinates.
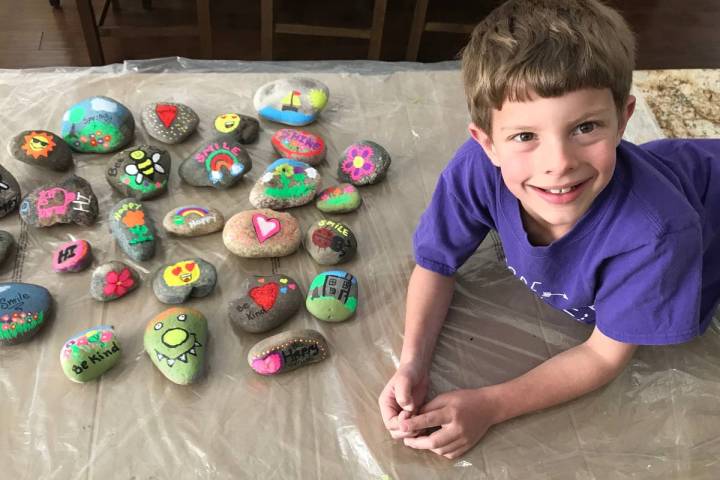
(623, 237)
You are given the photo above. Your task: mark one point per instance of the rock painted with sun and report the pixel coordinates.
(287, 351)
(262, 233)
(333, 296)
(295, 101)
(141, 172)
(41, 148)
(265, 302)
(113, 280)
(133, 229)
(178, 281)
(169, 122)
(286, 183)
(299, 145)
(87, 355)
(98, 125)
(363, 163)
(193, 221)
(69, 201)
(24, 309)
(176, 341)
(73, 256)
(9, 192)
(242, 128)
(341, 198)
(220, 163)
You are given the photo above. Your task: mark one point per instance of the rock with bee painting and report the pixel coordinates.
(178, 281)
(141, 172)
(133, 229)
(286, 183)
(293, 101)
(69, 201)
(41, 148)
(9, 192)
(219, 163)
(169, 122)
(242, 127)
(98, 125)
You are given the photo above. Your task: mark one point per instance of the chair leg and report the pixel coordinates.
(90, 32)
(376, 31)
(55, 3)
(205, 28)
(418, 26)
(267, 27)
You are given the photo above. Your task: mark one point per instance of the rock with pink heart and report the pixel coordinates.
(262, 233)
(72, 256)
(178, 281)
(287, 351)
(169, 122)
(113, 280)
(286, 183)
(265, 302)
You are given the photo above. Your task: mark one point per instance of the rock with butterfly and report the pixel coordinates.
(141, 172)
(265, 302)
(169, 122)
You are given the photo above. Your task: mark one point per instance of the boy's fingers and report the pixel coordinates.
(422, 421)
(389, 412)
(436, 440)
(403, 394)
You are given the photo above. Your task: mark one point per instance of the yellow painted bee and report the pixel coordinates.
(144, 166)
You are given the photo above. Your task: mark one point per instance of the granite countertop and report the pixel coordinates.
(686, 103)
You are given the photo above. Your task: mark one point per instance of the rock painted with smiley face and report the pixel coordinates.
(175, 283)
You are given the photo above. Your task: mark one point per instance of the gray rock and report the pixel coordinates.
(243, 128)
(285, 184)
(24, 309)
(220, 163)
(287, 351)
(193, 221)
(113, 280)
(294, 101)
(141, 172)
(169, 122)
(262, 233)
(333, 296)
(133, 229)
(363, 163)
(175, 283)
(98, 125)
(299, 145)
(9, 192)
(70, 201)
(329, 242)
(72, 256)
(41, 148)
(341, 198)
(6, 243)
(265, 302)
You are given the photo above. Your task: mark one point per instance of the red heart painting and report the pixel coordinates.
(265, 296)
(166, 113)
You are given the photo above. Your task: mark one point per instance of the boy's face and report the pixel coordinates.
(556, 155)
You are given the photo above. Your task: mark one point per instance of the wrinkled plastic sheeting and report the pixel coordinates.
(659, 419)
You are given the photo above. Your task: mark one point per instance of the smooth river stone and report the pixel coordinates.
(243, 128)
(113, 280)
(193, 221)
(265, 302)
(262, 233)
(329, 242)
(299, 145)
(293, 101)
(176, 282)
(176, 341)
(70, 201)
(363, 163)
(90, 353)
(286, 183)
(333, 296)
(9, 192)
(133, 229)
(140, 172)
(287, 351)
(24, 309)
(41, 148)
(72, 256)
(219, 163)
(98, 125)
(169, 122)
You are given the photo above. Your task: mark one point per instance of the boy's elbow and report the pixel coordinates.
(611, 354)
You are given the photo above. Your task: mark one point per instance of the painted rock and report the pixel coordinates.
(41, 148)
(140, 172)
(70, 201)
(133, 229)
(243, 128)
(341, 198)
(72, 256)
(113, 280)
(265, 303)
(90, 353)
(287, 351)
(363, 163)
(98, 125)
(176, 341)
(299, 145)
(329, 242)
(169, 122)
(9, 192)
(294, 101)
(286, 183)
(333, 296)
(220, 163)
(262, 233)
(193, 221)
(176, 282)
(6, 243)
(24, 309)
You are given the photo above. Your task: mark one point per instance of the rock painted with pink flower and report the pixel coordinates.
(140, 172)
(72, 256)
(24, 309)
(113, 280)
(90, 353)
(341, 198)
(363, 163)
(287, 351)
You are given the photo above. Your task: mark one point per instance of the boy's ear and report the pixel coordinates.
(485, 142)
(625, 117)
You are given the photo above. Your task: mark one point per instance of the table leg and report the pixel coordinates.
(90, 32)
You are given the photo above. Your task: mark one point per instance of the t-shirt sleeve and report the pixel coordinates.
(651, 295)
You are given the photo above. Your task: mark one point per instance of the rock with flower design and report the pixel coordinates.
(299, 145)
(70, 201)
(98, 125)
(113, 280)
(363, 163)
(341, 198)
(176, 282)
(219, 163)
(133, 229)
(329, 242)
(286, 183)
(295, 101)
(24, 309)
(90, 353)
(140, 172)
(9, 192)
(333, 296)
(243, 128)
(6, 243)
(169, 122)
(41, 148)
(193, 221)
(262, 233)
(265, 302)
(287, 351)
(176, 341)
(72, 256)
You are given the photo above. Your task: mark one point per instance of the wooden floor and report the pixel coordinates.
(671, 33)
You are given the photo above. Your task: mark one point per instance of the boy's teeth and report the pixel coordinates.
(560, 190)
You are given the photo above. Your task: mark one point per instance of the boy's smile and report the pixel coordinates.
(555, 155)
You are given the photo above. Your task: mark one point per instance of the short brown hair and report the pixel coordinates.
(550, 47)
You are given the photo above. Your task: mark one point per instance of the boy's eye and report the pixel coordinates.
(523, 137)
(586, 127)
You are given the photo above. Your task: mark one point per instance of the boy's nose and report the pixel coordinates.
(558, 159)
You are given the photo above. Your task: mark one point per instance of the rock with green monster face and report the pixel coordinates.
(176, 340)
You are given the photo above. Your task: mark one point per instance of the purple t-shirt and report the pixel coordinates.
(643, 263)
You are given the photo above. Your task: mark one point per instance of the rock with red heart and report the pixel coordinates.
(113, 280)
(329, 242)
(72, 256)
(287, 351)
(169, 122)
(262, 233)
(265, 302)
(176, 282)
(286, 183)
(299, 145)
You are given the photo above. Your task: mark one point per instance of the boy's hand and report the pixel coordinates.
(463, 418)
(401, 397)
